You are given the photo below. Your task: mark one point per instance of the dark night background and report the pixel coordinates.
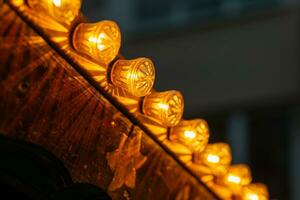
(237, 63)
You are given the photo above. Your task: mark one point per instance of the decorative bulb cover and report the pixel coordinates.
(166, 107)
(255, 191)
(216, 156)
(100, 41)
(192, 133)
(236, 177)
(64, 11)
(136, 76)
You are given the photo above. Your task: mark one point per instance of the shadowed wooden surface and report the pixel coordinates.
(44, 100)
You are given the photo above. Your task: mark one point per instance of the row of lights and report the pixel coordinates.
(101, 41)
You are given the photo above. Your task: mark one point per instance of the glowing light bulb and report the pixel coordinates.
(100, 41)
(189, 134)
(255, 191)
(192, 133)
(233, 179)
(136, 76)
(64, 11)
(57, 3)
(166, 107)
(217, 157)
(213, 158)
(163, 106)
(236, 177)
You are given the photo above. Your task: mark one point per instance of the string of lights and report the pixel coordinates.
(101, 42)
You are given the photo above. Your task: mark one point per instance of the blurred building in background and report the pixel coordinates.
(237, 62)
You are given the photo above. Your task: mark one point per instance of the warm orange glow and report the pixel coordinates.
(223, 192)
(255, 191)
(252, 196)
(64, 11)
(233, 179)
(126, 89)
(57, 3)
(189, 135)
(237, 176)
(136, 76)
(192, 133)
(163, 106)
(213, 158)
(217, 157)
(100, 41)
(166, 107)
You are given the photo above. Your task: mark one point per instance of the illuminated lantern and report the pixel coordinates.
(166, 107)
(100, 41)
(217, 157)
(255, 191)
(136, 76)
(192, 133)
(64, 11)
(236, 177)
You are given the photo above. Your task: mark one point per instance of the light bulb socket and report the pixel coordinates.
(166, 107)
(194, 134)
(100, 41)
(64, 11)
(237, 176)
(136, 76)
(216, 156)
(254, 191)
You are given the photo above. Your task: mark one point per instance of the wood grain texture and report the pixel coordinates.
(44, 100)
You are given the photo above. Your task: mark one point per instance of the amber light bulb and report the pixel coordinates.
(64, 11)
(166, 107)
(100, 41)
(255, 191)
(136, 76)
(216, 156)
(192, 133)
(236, 177)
